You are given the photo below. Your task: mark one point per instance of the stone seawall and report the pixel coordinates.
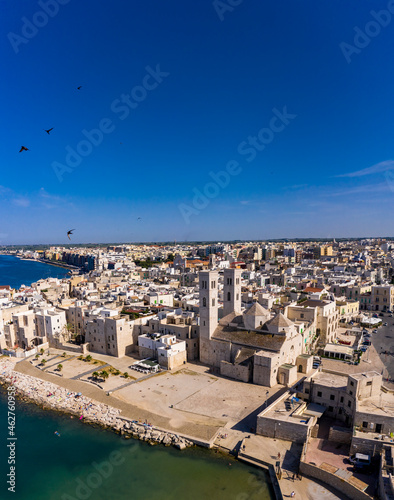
(49, 395)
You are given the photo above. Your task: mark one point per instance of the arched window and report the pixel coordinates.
(204, 302)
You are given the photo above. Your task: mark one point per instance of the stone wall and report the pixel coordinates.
(347, 491)
(366, 445)
(288, 431)
(174, 361)
(340, 435)
(145, 352)
(237, 372)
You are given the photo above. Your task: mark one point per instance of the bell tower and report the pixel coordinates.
(232, 291)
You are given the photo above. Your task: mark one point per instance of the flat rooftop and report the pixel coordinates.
(330, 379)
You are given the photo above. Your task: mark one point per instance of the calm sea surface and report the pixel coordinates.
(15, 272)
(90, 463)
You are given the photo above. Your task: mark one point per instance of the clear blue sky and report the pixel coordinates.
(326, 172)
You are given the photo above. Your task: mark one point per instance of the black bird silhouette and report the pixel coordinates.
(70, 232)
(79, 88)
(47, 131)
(23, 149)
(139, 218)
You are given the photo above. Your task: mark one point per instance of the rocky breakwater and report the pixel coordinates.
(49, 395)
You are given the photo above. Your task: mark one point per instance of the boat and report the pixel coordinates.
(57, 434)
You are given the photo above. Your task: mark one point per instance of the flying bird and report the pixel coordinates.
(70, 232)
(139, 218)
(47, 131)
(23, 149)
(79, 88)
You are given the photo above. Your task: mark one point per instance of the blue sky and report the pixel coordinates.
(202, 81)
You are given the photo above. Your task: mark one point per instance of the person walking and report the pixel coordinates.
(292, 494)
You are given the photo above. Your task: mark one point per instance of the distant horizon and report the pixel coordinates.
(202, 242)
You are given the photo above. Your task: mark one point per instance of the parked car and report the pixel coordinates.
(363, 348)
(360, 460)
(381, 314)
(385, 324)
(374, 331)
(374, 315)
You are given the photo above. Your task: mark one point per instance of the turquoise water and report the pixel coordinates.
(15, 272)
(90, 463)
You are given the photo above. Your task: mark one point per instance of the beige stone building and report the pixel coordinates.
(252, 346)
(166, 349)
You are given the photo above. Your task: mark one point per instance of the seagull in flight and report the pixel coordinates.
(47, 131)
(70, 232)
(23, 149)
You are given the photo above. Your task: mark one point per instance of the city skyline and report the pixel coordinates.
(183, 123)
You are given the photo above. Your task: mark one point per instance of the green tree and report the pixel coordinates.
(37, 356)
(104, 374)
(42, 351)
(126, 375)
(95, 375)
(43, 361)
(59, 367)
(88, 358)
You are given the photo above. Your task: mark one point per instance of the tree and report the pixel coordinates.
(59, 367)
(126, 375)
(37, 356)
(42, 351)
(88, 358)
(43, 361)
(95, 375)
(104, 374)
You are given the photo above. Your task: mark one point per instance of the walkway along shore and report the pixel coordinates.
(49, 395)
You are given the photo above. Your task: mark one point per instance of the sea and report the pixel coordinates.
(86, 462)
(16, 272)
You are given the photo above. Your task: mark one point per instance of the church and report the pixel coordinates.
(252, 346)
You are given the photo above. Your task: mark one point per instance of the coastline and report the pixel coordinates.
(50, 263)
(48, 395)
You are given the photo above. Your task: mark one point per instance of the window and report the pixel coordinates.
(330, 408)
(112, 337)
(319, 394)
(307, 390)
(369, 383)
(302, 315)
(332, 397)
(213, 302)
(195, 345)
(351, 383)
(351, 393)
(365, 425)
(228, 296)
(349, 403)
(109, 346)
(341, 400)
(204, 302)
